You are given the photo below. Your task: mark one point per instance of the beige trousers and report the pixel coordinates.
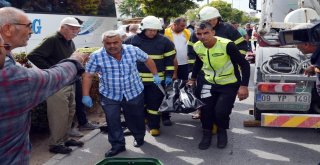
(60, 110)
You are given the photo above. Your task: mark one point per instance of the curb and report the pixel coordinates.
(58, 157)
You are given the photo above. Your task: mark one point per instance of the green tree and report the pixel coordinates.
(166, 9)
(227, 13)
(131, 8)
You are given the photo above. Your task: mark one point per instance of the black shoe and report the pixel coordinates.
(167, 122)
(138, 143)
(113, 152)
(222, 138)
(104, 129)
(73, 142)
(206, 140)
(60, 149)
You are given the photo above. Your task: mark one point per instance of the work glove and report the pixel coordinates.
(87, 101)
(156, 79)
(168, 81)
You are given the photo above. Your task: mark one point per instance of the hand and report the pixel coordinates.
(317, 70)
(243, 93)
(81, 57)
(156, 79)
(310, 71)
(87, 101)
(174, 76)
(191, 82)
(168, 81)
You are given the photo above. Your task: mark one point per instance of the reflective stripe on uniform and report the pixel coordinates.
(172, 52)
(156, 57)
(160, 74)
(205, 92)
(190, 43)
(169, 67)
(191, 61)
(243, 52)
(239, 40)
(150, 79)
(152, 112)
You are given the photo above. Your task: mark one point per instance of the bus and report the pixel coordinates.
(98, 16)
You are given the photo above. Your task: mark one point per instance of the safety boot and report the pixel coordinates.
(222, 138)
(206, 140)
(155, 132)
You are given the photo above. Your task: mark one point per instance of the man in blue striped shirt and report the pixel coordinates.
(120, 86)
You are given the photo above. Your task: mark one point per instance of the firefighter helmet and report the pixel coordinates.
(208, 12)
(150, 22)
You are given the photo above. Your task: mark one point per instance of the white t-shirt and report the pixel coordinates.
(181, 44)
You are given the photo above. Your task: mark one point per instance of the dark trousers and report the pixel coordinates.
(153, 98)
(183, 72)
(218, 106)
(80, 109)
(133, 111)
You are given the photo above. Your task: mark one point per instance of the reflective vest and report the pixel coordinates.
(168, 33)
(217, 65)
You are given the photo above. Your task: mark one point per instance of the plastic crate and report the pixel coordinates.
(130, 161)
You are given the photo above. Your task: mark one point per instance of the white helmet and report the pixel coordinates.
(208, 12)
(150, 22)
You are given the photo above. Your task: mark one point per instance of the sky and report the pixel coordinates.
(239, 4)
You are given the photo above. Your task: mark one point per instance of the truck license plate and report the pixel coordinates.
(274, 98)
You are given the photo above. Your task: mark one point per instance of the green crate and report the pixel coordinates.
(130, 161)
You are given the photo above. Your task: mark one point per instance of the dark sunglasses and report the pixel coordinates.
(6, 46)
(29, 25)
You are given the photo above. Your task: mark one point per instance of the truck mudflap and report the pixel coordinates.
(290, 120)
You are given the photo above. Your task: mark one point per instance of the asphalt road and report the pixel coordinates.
(178, 144)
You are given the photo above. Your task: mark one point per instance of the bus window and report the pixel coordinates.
(72, 7)
(98, 16)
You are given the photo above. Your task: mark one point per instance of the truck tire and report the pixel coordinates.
(256, 113)
(315, 102)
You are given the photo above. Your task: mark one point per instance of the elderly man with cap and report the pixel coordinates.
(61, 105)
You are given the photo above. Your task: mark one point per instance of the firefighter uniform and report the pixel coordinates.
(162, 51)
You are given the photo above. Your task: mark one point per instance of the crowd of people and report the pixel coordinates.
(147, 60)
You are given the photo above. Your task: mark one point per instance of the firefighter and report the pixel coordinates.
(222, 29)
(162, 51)
(219, 59)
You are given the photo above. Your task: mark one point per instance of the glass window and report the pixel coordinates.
(72, 7)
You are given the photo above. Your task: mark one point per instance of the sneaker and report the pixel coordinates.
(88, 126)
(60, 149)
(73, 142)
(155, 132)
(73, 132)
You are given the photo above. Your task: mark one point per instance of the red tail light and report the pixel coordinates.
(266, 87)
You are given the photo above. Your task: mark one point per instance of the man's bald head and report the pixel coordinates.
(15, 27)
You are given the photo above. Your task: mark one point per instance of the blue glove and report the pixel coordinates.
(156, 79)
(168, 81)
(87, 101)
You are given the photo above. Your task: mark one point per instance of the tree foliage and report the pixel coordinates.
(131, 8)
(227, 13)
(166, 9)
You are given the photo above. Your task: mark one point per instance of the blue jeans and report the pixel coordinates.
(133, 111)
